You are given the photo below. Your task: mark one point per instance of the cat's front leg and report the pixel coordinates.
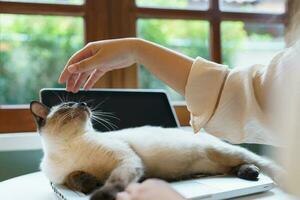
(120, 177)
(82, 181)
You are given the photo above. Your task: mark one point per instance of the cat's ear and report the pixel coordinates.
(39, 112)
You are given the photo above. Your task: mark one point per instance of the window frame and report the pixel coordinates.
(100, 23)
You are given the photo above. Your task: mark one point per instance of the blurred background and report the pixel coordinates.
(34, 48)
(38, 37)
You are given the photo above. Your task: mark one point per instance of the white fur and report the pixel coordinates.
(165, 153)
(160, 152)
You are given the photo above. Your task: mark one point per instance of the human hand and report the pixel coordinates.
(91, 62)
(149, 190)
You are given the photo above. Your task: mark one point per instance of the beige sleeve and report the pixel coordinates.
(256, 104)
(230, 104)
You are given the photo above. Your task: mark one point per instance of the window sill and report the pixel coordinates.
(20, 141)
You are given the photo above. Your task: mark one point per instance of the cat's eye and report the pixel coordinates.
(68, 104)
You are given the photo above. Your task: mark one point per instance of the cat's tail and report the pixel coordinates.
(234, 156)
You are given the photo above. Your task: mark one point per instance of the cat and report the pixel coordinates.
(105, 163)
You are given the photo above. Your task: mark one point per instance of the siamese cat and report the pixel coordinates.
(105, 163)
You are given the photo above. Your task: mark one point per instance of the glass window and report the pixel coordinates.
(50, 1)
(33, 51)
(245, 44)
(189, 37)
(256, 6)
(178, 4)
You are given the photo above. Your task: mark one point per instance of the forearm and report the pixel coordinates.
(169, 66)
(94, 60)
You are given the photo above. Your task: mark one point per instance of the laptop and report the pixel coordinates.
(133, 108)
(130, 108)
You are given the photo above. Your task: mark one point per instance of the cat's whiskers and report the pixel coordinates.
(82, 98)
(90, 100)
(103, 118)
(61, 100)
(112, 125)
(99, 121)
(105, 114)
(99, 104)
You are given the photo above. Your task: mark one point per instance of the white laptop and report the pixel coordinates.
(212, 187)
(126, 104)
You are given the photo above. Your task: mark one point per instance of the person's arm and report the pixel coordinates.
(167, 65)
(97, 58)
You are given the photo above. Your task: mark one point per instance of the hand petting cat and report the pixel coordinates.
(90, 63)
(149, 190)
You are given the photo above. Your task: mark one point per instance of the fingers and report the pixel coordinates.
(76, 80)
(129, 193)
(71, 82)
(84, 65)
(80, 80)
(93, 79)
(123, 196)
(78, 56)
(132, 188)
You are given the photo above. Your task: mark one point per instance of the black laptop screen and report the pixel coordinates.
(120, 108)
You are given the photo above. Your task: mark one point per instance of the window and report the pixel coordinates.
(250, 43)
(232, 32)
(253, 6)
(50, 1)
(193, 27)
(177, 4)
(33, 51)
(36, 40)
(190, 37)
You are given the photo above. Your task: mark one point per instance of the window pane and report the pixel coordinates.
(259, 6)
(250, 43)
(51, 1)
(189, 37)
(178, 4)
(33, 51)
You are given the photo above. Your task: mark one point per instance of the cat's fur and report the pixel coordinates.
(75, 155)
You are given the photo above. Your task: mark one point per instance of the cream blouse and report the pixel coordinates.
(256, 104)
(231, 104)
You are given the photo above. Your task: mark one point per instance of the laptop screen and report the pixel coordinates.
(119, 109)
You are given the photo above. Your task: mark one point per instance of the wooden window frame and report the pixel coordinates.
(101, 22)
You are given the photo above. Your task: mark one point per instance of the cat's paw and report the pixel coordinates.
(103, 195)
(82, 181)
(248, 172)
(107, 193)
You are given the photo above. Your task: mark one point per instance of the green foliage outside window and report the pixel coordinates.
(190, 37)
(33, 51)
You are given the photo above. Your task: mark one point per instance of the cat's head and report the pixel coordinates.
(67, 118)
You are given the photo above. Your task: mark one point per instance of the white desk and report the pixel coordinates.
(35, 186)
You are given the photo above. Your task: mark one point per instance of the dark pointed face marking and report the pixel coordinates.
(63, 117)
